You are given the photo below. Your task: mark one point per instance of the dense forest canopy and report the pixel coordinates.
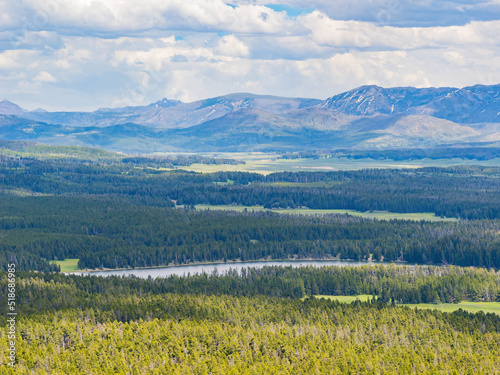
(461, 192)
(114, 233)
(114, 214)
(388, 283)
(471, 153)
(112, 211)
(88, 325)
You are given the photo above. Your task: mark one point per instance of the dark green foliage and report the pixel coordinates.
(84, 326)
(402, 284)
(462, 192)
(117, 215)
(120, 214)
(112, 233)
(469, 193)
(478, 153)
(176, 160)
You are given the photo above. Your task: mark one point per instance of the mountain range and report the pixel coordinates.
(368, 117)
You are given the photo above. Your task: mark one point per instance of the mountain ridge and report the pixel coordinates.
(369, 116)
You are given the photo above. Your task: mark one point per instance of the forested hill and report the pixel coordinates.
(110, 211)
(114, 214)
(113, 233)
(83, 325)
(387, 283)
(460, 192)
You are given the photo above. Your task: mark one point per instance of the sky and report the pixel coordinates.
(89, 54)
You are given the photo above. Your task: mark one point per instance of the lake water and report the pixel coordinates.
(221, 268)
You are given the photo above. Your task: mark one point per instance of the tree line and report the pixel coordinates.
(140, 332)
(462, 192)
(104, 232)
(386, 283)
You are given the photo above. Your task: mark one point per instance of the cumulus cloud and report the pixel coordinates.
(402, 13)
(96, 53)
(16, 59)
(364, 34)
(33, 40)
(130, 16)
(44, 76)
(229, 45)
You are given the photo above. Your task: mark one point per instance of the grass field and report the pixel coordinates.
(67, 265)
(268, 163)
(320, 184)
(381, 215)
(62, 152)
(221, 183)
(20, 192)
(486, 307)
(347, 299)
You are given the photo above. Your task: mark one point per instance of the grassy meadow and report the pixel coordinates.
(67, 265)
(473, 307)
(380, 215)
(269, 163)
(347, 299)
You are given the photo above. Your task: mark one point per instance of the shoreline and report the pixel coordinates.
(367, 261)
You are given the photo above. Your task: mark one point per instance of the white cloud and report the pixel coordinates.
(129, 16)
(355, 34)
(229, 45)
(98, 53)
(44, 76)
(402, 13)
(16, 59)
(454, 58)
(321, 77)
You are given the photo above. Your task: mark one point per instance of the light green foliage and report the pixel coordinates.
(348, 299)
(67, 265)
(258, 335)
(473, 307)
(380, 215)
(486, 307)
(62, 152)
(269, 163)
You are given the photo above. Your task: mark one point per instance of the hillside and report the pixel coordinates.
(369, 117)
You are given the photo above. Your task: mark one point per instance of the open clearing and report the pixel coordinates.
(487, 307)
(67, 265)
(474, 307)
(317, 184)
(381, 215)
(269, 163)
(347, 299)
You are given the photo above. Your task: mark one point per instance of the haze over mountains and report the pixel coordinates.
(364, 118)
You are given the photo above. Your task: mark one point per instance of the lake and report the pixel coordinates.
(220, 268)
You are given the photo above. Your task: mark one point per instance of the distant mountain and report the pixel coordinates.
(470, 105)
(373, 100)
(174, 114)
(9, 108)
(475, 104)
(365, 118)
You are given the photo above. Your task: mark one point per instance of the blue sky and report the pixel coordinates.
(86, 54)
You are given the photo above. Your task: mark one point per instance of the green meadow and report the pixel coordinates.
(486, 307)
(347, 299)
(317, 184)
(67, 265)
(473, 307)
(380, 215)
(269, 163)
(62, 152)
